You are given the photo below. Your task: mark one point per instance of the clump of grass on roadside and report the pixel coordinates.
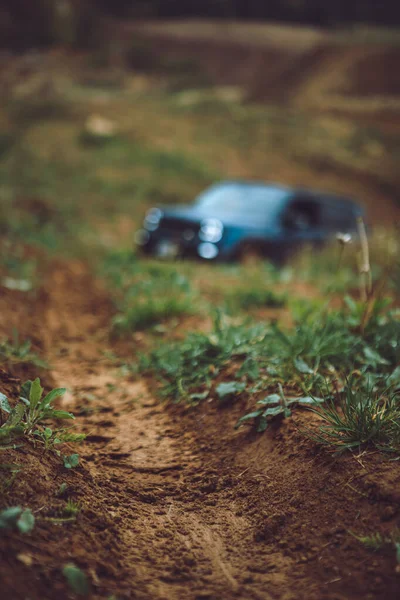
(146, 294)
(324, 345)
(187, 368)
(360, 417)
(255, 297)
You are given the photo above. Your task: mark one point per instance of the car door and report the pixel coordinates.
(302, 221)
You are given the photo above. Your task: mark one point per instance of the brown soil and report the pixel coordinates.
(175, 502)
(308, 68)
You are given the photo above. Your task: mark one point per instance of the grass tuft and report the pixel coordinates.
(361, 417)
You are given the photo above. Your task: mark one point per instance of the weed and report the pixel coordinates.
(12, 351)
(322, 346)
(186, 368)
(227, 390)
(52, 438)
(255, 297)
(38, 409)
(145, 295)
(62, 489)
(72, 508)
(71, 461)
(377, 541)
(32, 409)
(77, 580)
(17, 518)
(361, 417)
(277, 405)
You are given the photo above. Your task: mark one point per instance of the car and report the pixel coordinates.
(234, 219)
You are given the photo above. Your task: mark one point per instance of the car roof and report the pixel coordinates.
(321, 196)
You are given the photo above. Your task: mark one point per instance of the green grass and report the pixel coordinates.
(146, 293)
(255, 297)
(186, 369)
(12, 351)
(359, 418)
(322, 347)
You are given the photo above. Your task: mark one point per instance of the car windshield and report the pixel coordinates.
(252, 203)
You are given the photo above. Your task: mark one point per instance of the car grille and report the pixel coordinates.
(180, 229)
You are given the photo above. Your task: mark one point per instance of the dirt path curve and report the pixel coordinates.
(194, 514)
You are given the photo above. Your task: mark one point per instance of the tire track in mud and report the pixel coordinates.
(178, 537)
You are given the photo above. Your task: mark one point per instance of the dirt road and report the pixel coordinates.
(177, 505)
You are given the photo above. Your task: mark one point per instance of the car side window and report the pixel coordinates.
(302, 214)
(339, 218)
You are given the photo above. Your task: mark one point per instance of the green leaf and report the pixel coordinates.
(252, 415)
(77, 580)
(305, 400)
(271, 399)
(225, 390)
(200, 395)
(9, 516)
(4, 405)
(56, 393)
(249, 369)
(351, 304)
(26, 522)
(26, 389)
(262, 424)
(71, 461)
(374, 357)
(16, 415)
(302, 366)
(274, 411)
(394, 378)
(35, 393)
(59, 414)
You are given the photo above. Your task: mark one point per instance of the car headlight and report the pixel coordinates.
(152, 219)
(211, 230)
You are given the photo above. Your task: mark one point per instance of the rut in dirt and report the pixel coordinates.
(174, 528)
(200, 511)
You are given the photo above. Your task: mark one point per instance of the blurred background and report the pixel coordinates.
(108, 108)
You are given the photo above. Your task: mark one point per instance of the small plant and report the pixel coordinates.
(38, 409)
(32, 409)
(17, 518)
(72, 508)
(14, 352)
(145, 296)
(377, 541)
(71, 461)
(77, 580)
(52, 438)
(361, 417)
(228, 390)
(255, 297)
(187, 368)
(276, 405)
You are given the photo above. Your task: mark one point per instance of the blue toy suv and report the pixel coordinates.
(231, 219)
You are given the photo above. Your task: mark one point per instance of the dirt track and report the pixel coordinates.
(175, 503)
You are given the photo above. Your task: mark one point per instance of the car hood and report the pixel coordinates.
(195, 214)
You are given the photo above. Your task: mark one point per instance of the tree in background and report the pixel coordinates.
(34, 23)
(28, 23)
